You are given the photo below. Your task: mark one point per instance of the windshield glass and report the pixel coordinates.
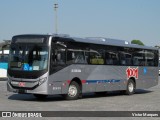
(28, 57)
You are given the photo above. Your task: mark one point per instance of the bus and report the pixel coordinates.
(4, 54)
(45, 65)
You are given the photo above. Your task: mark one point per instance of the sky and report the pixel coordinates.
(117, 19)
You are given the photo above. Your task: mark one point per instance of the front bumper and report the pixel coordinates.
(31, 88)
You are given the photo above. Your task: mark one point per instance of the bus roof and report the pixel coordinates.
(112, 42)
(95, 40)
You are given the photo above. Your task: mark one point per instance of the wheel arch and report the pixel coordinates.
(134, 80)
(78, 85)
(77, 80)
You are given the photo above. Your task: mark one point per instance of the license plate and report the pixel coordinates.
(21, 91)
(21, 84)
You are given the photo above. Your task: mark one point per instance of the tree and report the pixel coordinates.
(137, 42)
(157, 46)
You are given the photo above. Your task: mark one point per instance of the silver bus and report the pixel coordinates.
(45, 65)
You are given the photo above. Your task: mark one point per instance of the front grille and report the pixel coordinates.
(24, 88)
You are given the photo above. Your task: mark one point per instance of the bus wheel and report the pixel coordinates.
(73, 91)
(130, 87)
(39, 96)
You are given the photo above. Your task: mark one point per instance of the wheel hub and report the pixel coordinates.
(72, 91)
(130, 87)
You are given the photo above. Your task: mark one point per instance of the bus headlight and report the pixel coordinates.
(41, 81)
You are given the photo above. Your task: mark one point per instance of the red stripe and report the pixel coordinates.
(68, 81)
(83, 81)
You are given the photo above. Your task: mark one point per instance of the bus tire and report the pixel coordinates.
(130, 87)
(73, 91)
(40, 96)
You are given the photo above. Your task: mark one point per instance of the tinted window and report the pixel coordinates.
(82, 53)
(111, 55)
(125, 55)
(96, 54)
(76, 53)
(151, 58)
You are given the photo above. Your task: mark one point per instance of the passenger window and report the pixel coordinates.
(75, 56)
(138, 57)
(57, 57)
(111, 58)
(76, 53)
(150, 58)
(125, 58)
(96, 58)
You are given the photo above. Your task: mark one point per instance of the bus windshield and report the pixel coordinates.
(28, 57)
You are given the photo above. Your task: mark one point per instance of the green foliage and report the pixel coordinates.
(137, 42)
(157, 46)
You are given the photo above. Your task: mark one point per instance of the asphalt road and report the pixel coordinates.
(142, 100)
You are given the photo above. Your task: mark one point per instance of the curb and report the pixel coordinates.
(3, 79)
